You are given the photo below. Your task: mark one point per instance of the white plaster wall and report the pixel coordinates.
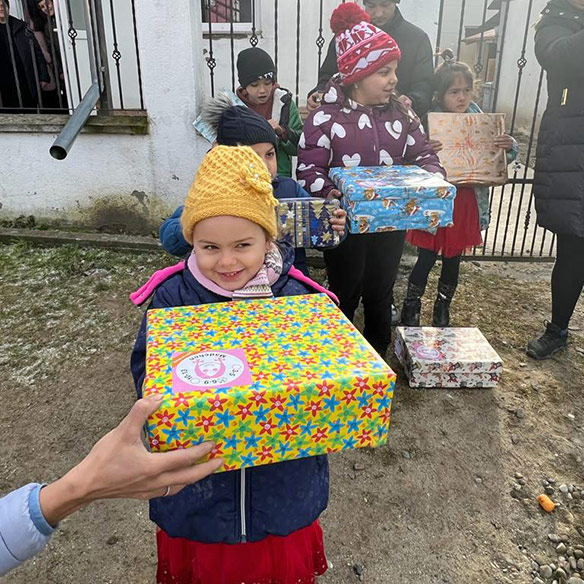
(518, 18)
(161, 164)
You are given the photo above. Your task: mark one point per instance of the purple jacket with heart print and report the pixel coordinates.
(344, 133)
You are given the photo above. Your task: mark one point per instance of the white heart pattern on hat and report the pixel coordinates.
(303, 166)
(338, 130)
(411, 141)
(354, 160)
(324, 142)
(331, 96)
(394, 129)
(364, 122)
(385, 158)
(317, 185)
(320, 118)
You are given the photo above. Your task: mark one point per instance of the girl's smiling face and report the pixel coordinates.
(229, 250)
(458, 96)
(377, 88)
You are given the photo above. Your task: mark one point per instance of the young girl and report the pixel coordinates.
(257, 525)
(260, 92)
(454, 88)
(362, 123)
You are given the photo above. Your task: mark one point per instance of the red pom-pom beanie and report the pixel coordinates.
(362, 48)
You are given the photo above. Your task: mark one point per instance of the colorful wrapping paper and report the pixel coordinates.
(393, 215)
(469, 153)
(266, 380)
(306, 222)
(367, 183)
(394, 198)
(447, 357)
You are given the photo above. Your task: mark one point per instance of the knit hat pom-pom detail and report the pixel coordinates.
(346, 16)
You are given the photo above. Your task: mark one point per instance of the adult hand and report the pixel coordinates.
(436, 145)
(504, 141)
(339, 221)
(314, 100)
(334, 194)
(119, 466)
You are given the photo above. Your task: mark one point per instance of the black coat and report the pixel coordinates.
(31, 66)
(559, 176)
(415, 72)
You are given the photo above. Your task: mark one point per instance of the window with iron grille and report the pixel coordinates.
(227, 15)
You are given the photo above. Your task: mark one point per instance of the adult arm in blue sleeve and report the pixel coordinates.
(171, 236)
(118, 466)
(24, 532)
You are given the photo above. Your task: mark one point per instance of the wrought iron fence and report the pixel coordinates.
(483, 38)
(59, 46)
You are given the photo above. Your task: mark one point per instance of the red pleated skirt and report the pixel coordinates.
(295, 559)
(465, 233)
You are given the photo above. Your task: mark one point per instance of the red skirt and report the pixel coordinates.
(465, 233)
(295, 559)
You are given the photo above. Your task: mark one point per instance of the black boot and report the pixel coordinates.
(441, 316)
(553, 340)
(412, 307)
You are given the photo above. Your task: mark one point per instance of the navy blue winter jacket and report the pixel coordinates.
(174, 243)
(236, 506)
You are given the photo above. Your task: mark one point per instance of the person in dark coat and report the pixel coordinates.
(416, 70)
(22, 66)
(559, 173)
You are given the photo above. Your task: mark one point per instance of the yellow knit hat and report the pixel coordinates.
(231, 181)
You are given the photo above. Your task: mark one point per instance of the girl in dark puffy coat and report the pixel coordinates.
(256, 524)
(362, 123)
(559, 171)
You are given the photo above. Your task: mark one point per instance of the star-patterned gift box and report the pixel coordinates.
(447, 357)
(394, 198)
(266, 380)
(306, 222)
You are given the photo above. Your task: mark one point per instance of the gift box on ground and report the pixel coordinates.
(447, 357)
(469, 154)
(266, 380)
(394, 198)
(306, 222)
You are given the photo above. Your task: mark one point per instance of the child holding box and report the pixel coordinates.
(454, 89)
(362, 123)
(258, 524)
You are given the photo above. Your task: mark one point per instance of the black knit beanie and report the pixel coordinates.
(241, 126)
(254, 63)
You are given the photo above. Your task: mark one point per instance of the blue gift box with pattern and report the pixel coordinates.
(394, 198)
(306, 222)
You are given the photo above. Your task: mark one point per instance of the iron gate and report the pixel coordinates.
(499, 66)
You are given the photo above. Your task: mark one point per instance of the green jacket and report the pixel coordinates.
(286, 112)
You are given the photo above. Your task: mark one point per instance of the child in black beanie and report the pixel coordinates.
(261, 93)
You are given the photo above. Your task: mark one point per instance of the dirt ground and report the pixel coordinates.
(440, 504)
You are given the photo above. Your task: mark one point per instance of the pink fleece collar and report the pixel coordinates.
(144, 292)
